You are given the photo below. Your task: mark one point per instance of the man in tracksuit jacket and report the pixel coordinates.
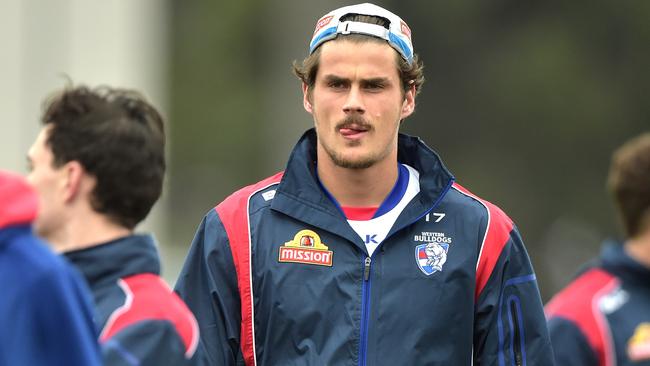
(364, 251)
(46, 315)
(603, 316)
(98, 166)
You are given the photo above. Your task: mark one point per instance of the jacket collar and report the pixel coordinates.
(615, 260)
(300, 196)
(118, 258)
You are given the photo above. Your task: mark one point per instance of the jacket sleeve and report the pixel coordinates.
(570, 346)
(153, 342)
(208, 285)
(510, 326)
(54, 324)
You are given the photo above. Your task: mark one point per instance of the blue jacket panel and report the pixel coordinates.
(45, 309)
(141, 320)
(603, 316)
(276, 276)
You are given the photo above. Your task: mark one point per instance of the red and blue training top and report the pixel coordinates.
(141, 320)
(277, 276)
(603, 316)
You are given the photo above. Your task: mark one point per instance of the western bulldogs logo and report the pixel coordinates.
(430, 257)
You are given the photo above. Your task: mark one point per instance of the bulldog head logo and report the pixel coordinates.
(430, 257)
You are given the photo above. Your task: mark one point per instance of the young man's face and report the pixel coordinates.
(357, 103)
(48, 182)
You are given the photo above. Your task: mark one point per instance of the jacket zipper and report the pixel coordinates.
(366, 268)
(365, 290)
(516, 336)
(365, 305)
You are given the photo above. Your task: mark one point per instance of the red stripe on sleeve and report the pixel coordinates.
(233, 212)
(495, 239)
(149, 298)
(578, 303)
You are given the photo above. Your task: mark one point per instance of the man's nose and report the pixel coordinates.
(354, 101)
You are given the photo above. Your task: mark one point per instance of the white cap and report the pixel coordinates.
(398, 34)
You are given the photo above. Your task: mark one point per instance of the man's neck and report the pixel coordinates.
(85, 232)
(639, 248)
(358, 187)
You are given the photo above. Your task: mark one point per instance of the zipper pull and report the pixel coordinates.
(366, 268)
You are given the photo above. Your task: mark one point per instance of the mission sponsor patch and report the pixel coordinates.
(307, 248)
(638, 347)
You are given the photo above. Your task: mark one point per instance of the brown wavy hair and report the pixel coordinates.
(629, 184)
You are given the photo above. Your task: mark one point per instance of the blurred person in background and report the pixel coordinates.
(364, 250)
(603, 316)
(98, 165)
(46, 311)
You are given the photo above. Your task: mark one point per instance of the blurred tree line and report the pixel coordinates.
(524, 101)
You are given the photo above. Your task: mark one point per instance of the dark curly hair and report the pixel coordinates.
(119, 138)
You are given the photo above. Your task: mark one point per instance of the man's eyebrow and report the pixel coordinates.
(335, 78)
(377, 80)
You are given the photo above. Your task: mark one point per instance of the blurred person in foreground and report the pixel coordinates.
(46, 312)
(98, 166)
(603, 316)
(364, 250)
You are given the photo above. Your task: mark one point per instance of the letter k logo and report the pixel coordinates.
(371, 239)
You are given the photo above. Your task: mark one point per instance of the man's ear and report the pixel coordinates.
(76, 181)
(306, 98)
(408, 106)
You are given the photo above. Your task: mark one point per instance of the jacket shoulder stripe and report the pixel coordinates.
(495, 239)
(578, 303)
(149, 298)
(233, 212)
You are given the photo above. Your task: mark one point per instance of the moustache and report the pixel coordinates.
(354, 121)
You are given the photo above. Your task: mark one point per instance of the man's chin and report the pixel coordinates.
(354, 162)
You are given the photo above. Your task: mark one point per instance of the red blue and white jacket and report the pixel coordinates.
(603, 316)
(277, 276)
(140, 319)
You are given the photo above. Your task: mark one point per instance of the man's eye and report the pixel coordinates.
(337, 85)
(374, 86)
